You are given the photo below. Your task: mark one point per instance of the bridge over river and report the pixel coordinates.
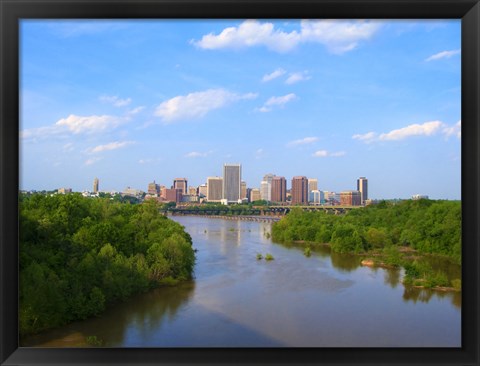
(254, 211)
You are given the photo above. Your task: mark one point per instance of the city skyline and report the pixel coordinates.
(133, 102)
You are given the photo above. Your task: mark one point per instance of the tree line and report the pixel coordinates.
(77, 255)
(428, 226)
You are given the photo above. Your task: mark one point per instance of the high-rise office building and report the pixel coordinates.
(232, 177)
(214, 189)
(362, 187)
(153, 188)
(202, 190)
(243, 190)
(350, 198)
(312, 184)
(173, 195)
(192, 191)
(95, 185)
(279, 189)
(299, 190)
(268, 178)
(180, 183)
(265, 190)
(316, 197)
(255, 195)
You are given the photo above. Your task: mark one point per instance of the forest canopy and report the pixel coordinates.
(79, 254)
(428, 226)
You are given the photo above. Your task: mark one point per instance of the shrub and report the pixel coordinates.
(307, 252)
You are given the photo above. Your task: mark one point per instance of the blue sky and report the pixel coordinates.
(133, 101)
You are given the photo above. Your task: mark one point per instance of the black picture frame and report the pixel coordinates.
(11, 11)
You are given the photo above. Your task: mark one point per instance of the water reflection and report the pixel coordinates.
(345, 262)
(416, 294)
(144, 314)
(392, 277)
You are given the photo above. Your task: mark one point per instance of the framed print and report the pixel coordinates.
(239, 183)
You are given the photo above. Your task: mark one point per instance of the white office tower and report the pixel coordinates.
(265, 190)
(268, 193)
(316, 197)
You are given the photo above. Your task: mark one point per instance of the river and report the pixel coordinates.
(235, 300)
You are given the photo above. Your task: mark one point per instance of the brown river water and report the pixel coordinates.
(235, 300)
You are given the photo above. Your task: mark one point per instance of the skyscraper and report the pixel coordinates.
(265, 189)
(214, 189)
(153, 188)
(299, 190)
(180, 183)
(362, 187)
(279, 189)
(312, 186)
(95, 185)
(268, 193)
(203, 190)
(316, 197)
(243, 190)
(350, 198)
(232, 177)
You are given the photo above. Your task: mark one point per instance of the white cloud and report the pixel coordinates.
(198, 104)
(325, 153)
(68, 147)
(40, 132)
(73, 124)
(196, 154)
(80, 124)
(304, 141)
(277, 73)
(136, 110)
(320, 154)
(338, 36)
(456, 130)
(115, 101)
(250, 33)
(443, 54)
(110, 146)
(92, 161)
(277, 101)
(425, 129)
(296, 77)
(259, 153)
(367, 137)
